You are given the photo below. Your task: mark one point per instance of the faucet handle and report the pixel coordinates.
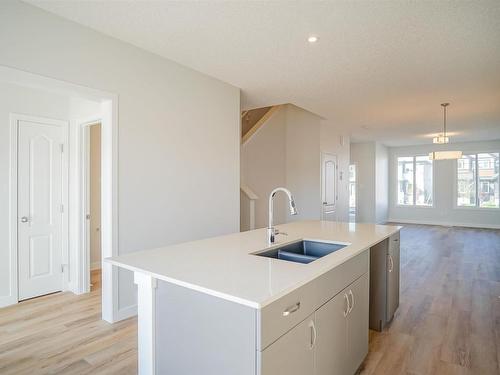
(277, 231)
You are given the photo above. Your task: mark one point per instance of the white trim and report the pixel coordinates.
(126, 312)
(146, 322)
(444, 223)
(14, 119)
(109, 123)
(83, 156)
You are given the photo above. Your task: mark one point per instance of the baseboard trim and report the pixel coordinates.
(444, 223)
(8, 301)
(125, 313)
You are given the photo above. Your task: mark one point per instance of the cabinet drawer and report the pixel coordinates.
(332, 282)
(279, 317)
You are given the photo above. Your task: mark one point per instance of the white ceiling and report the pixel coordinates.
(380, 69)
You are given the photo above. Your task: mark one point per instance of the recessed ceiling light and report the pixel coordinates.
(312, 39)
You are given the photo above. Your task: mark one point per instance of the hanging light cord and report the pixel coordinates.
(444, 117)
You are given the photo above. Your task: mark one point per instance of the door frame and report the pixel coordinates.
(14, 119)
(109, 209)
(84, 173)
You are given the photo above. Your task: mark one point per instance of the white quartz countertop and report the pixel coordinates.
(225, 266)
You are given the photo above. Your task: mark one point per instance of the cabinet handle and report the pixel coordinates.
(352, 305)
(292, 309)
(391, 263)
(314, 334)
(347, 309)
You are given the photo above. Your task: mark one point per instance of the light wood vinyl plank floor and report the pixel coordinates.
(63, 333)
(448, 321)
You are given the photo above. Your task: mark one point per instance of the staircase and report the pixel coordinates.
(252, 120)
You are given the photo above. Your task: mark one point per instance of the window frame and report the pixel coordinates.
(476, 207)
(414, 205)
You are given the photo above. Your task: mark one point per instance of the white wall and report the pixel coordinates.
(444, 173)
(15, 99)
(371, 159)
(263, 167)
(381, 183)
(363, 155)
(178, 140)
(303, 174)
(286, 152)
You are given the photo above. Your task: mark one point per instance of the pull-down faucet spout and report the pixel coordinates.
(271, 231)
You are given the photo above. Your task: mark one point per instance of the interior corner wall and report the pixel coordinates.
(443, 212)
(381, 183)
(363, 155)
(303, 177)
(179, 130)
(263, 167)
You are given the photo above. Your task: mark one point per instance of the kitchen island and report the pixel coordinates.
(215, 306)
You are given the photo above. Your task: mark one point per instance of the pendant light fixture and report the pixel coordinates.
(444, 139)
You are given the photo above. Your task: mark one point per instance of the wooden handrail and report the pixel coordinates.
(259, 123)
(248, 192)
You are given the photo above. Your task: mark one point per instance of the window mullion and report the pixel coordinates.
(477, 180)
(414, 180)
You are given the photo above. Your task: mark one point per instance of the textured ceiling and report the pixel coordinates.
(379, 70)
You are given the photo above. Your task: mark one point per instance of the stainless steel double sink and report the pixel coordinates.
(304, 251)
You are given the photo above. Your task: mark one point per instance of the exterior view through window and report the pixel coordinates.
(415, 181)
(478, 180)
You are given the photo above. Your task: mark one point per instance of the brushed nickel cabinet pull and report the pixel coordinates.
(292, 309)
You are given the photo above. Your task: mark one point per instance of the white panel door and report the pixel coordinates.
(329, 193)
(40, 193)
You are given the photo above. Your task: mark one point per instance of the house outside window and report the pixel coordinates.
(415, 181)
(478, 180)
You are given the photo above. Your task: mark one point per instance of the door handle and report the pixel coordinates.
(352, 305)
(347, 309)
(314, 334)
(391, 263)
(24, 219)
(292, 309)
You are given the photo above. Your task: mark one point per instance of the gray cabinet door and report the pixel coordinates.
(331, 343)
(291, 354)
(357, 323)
(393, 259)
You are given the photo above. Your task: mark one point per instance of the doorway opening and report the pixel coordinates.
(352, 193)
(91, 179)
(45, 98)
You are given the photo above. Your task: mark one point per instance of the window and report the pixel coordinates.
(478, 180)
(415, 181)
